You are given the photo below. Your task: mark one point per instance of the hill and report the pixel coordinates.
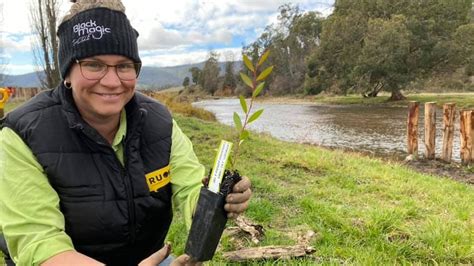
(150, 77)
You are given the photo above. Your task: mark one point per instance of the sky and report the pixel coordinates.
(171, 32)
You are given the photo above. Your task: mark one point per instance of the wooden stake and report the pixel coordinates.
(430, 130)
(449, 114)
(412, 128)
(466, 136)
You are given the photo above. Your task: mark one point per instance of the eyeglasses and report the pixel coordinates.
(95, 70)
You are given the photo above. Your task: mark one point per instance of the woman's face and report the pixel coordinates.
(103, 98)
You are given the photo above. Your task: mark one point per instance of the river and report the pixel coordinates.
(378, 130)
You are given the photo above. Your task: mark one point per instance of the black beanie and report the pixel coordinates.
(96, 31)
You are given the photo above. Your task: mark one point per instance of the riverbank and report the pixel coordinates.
(181, 103)
(376, 129)
(365, 211)
(452, 170)
(462, 100)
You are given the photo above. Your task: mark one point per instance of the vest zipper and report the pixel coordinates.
(124, 175)
(128, 183)
(129, 191)
(128, 188)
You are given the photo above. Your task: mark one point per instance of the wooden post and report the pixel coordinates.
(430, 130)
(412, 128)
(449, 114)
(466, 136)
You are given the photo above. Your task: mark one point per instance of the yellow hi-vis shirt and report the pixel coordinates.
(30, 218)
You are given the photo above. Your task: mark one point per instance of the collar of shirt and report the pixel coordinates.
(117, 144)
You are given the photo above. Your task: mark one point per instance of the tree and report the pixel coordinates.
(330, 66)
(230, 81)
(209, 78)
(195, 74)
(43, 20)
(382, 61)
(186, 82)
(472, 12)
(464, 45)
(291, 40)
(429, 26)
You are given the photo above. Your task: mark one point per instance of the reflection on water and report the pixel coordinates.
(374, 129)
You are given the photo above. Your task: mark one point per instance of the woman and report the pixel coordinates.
(89, 171)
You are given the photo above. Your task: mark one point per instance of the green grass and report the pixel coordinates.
(462, 100)
(363, 210)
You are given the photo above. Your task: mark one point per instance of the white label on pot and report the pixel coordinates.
(219, 166)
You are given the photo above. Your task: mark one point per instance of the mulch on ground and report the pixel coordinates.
(453, 170)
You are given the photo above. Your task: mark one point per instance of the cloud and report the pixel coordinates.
(11, 43)
(235, 23)
(11, 69)
(206, 22)
(11, 12)
(160, 38)
(181, 57)
(171, 32)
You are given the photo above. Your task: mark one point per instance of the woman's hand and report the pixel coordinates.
(238, 201)
(186, 261)
(157, 257)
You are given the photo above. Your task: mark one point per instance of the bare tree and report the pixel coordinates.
(43, 20)
(3, 58)
(3, 66)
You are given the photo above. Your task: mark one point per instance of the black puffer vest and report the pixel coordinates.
(110, 213)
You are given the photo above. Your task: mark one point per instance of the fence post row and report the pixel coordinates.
(26, 93)
(449, 113)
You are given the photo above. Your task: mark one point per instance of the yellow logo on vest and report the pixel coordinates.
(158, 179)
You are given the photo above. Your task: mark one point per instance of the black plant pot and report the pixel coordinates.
(209, 220)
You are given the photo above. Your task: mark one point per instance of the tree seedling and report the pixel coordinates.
(210, 217)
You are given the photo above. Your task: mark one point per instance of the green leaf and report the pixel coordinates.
(263, 58)
(265, 73)
(237, 121)
(243, 103)
(246, 80)
(255, 116)
(257, 91)
(241, 141)
(245, 135)
(248, 63)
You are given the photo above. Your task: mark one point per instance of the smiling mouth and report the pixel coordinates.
(109, 95)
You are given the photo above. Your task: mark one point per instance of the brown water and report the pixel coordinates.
(378, 130)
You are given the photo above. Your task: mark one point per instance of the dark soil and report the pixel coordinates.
(453, 170)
